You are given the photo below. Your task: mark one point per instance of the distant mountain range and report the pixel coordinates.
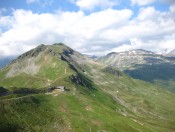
(6, 60)
(55, 88)
(128, 59)
(145, 65)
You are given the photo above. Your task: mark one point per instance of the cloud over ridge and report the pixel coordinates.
(97, 32)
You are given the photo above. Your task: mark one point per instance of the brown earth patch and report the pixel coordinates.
(96, 122)
(88, 108)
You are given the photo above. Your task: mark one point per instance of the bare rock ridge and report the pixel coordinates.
(131, 58)
(134, 52)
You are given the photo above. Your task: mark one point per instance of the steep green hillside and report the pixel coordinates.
(97, 98)
(79, 111)
(147, 102)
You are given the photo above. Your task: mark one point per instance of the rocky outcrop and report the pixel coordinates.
(82, 80)
(61, 88)
(33, 52)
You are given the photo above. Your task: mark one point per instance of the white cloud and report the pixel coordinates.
(172, 8)
(96, 33)
(91, 4)
(149, 32)
(157, 46)
(142, 2)
(74, 28)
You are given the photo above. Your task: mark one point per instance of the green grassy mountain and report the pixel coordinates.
(144, 65)
(98, 97)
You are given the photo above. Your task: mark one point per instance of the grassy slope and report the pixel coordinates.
(116, 103)
(148, 103)
(81, 110)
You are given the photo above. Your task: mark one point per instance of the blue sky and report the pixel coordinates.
(88, 26)
(50, 6)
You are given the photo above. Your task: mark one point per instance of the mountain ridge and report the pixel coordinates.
(134, 51)
(171, 53)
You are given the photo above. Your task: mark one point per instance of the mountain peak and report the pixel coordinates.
(139, 52)
(62, 44)
(132, 52)
(131, 58)
(46, 63)
(54, 48)
(171, 53)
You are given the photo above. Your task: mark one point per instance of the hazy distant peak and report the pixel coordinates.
(139, 51)
(171, 53)
(132, 52)
(112, 53)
